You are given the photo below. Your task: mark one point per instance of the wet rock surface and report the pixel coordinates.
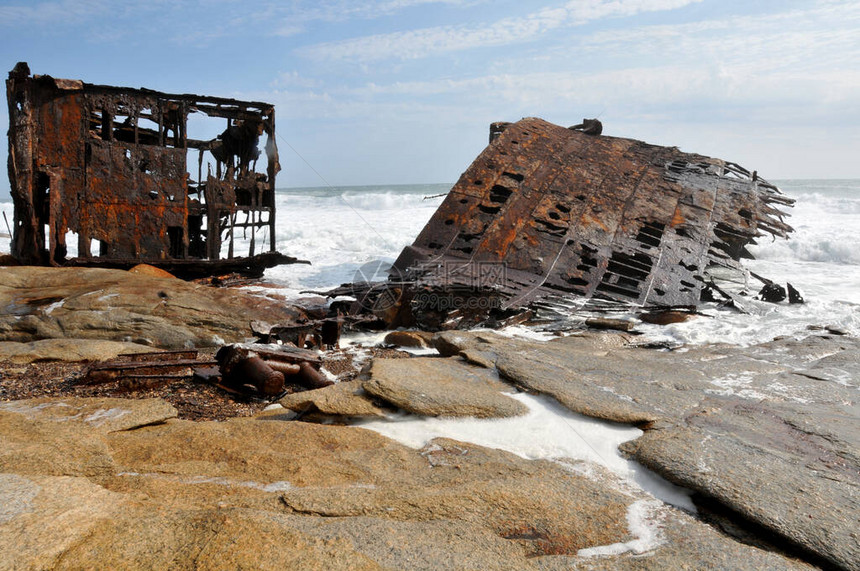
(786, 469)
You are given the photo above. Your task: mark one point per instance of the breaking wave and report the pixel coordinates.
(827, 227)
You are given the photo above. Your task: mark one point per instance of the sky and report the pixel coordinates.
(403, 91)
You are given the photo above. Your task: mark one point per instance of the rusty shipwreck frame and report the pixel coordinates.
(549, 216)
(112, 165)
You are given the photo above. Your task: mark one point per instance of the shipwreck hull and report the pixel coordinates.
(547, 213)
(121, 169)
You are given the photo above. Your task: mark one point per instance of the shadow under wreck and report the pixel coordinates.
(549, 217)
(111, 164)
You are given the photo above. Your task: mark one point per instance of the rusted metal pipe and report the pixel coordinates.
(257, 372)
(311, 378)
(285, 368)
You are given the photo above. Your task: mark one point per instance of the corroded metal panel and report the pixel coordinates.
(111, 164)
(564, 213)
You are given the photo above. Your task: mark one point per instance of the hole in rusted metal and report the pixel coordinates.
(489, 209)
(499, 194)
(515, 176)
(550, 226)
(651, 233)
(176, 236)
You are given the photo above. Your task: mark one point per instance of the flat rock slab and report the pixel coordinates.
(100, 414)
(73, 350)
(773, 466)
(341, 399)
(61, 437)
(770, 431)
(42, 517)
(591, 377)
(267, 494)
(441, 387)
(208, 539)
(46, 303)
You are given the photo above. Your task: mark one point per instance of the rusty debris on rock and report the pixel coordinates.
(548, 216)
(269, 367)
(256, 369)
(142, 371)
(112, 165)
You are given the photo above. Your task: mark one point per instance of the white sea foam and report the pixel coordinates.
(341, 229)
(349, 227)
(549, 431)
(643, 525)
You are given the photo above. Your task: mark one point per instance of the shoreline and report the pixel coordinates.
(766, 433)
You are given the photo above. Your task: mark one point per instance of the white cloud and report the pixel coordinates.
(428, 41)
(45, 13)
(296, 14)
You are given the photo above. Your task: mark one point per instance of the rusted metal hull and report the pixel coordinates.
(548, 214)
(119, 168)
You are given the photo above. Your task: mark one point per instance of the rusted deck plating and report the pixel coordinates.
(547, 213)
(111, 164)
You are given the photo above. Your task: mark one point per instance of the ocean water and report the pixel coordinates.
(341, 230)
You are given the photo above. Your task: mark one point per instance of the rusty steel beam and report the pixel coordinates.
(145, 368)
(117, 167)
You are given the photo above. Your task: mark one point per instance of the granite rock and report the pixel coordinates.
(85, 303)
(781, 466)
(341, 399)
(66, 350)
(268, 494)
(432, 386)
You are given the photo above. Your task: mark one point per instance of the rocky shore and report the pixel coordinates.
(765, 438)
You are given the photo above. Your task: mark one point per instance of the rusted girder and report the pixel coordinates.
(118, 167)
(548, 214)
(141, 371)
